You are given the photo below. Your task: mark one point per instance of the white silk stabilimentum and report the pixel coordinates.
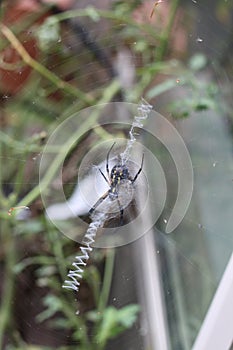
(99, 218)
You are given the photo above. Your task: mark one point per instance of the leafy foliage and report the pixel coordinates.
(70, 68)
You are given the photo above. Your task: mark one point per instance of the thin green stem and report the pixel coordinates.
(35, 192)
(164, 39)
(105, 291)
(75, 322)
(1, 179)
(59, 83)
(17, 145)
(19, 178)
(37, 260)
(9, 281)
(56, 247)
(109, 265)
(21, 26)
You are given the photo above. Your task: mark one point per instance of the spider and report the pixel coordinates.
(118, 173)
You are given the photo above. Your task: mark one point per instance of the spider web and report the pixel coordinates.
(193, 258)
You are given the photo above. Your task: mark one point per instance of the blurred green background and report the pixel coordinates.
(59, 57)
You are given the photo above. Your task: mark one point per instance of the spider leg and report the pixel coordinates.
(104, 176)
(135, 177)
(107, 166)
(121, 212)
(100, 200)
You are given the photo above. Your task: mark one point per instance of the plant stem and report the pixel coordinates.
(60, 84)
(109, 265)
(164, 40)
(56, 247)
(58, 159)
(104, 295)
(17, 145)
(1, 179)
(23, 25)
(68, 308)
(9, 279)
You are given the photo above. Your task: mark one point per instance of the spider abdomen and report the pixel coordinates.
(118, 173)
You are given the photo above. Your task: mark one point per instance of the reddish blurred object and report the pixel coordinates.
(13, 71)
(13, 79)
(17, 10)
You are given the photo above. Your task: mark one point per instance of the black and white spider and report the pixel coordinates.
(115, 178)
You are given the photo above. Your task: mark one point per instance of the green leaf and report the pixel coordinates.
(109, 326)
(92, 13)
(116, 321)
(48, 33)
(53, 304)
(161, 88)
(34, 226)
(60, 323)
(204, 104)
(128, 315)
(197, 62)
(38, 260)
(93, 316)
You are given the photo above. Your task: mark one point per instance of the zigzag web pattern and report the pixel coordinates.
(98, 219)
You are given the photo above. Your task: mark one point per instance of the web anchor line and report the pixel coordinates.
(98, 219)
